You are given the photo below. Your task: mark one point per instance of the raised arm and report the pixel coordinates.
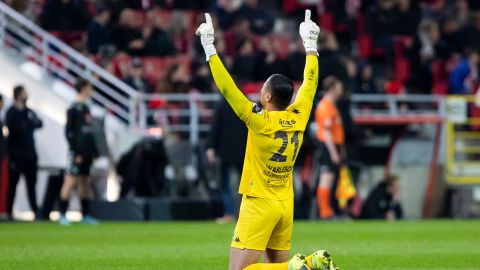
(307, 90)
(237, 100)
(309, 32)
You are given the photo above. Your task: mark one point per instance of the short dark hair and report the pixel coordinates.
(80, 84)
(281, 89)
(17, 91)
(329, 83)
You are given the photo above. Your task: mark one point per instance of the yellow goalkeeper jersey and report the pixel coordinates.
(274, 137)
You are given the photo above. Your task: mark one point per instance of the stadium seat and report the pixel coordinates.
(402, 69)
(69, 37)
(183, 60)
(153, 68)
(120, 63)
(365, 46)
(400, 44)
(252, 88)
(439, 78)
(327, 22)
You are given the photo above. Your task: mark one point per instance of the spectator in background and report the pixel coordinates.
(201, 78)
(366, 80)
(267, 60)
(383, 202)
(261, 22)
(330, 58)
(226, 144)
(136, 79)
(465, 74)
(451, 37)
(157, 41)
(461, 12)
(425, 49)
(23, 7)
(98, 33)
(224, 10)
(409, 15)
(434, 10)
(127, 36)
(22, 123)
(471, 33)
(82, 152)
(381, 23)
(63, 15)
(330, 133)
(174, 81)
(352, 75)
(240, 31)
(295, 59)
(244, 62)
(178, 32)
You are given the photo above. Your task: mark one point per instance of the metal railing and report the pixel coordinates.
(21, 37)
(192, 114)
(398, 105)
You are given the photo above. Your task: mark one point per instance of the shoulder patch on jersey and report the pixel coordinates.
(296, 111)
(257, 108)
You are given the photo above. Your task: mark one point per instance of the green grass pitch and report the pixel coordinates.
(205, 245)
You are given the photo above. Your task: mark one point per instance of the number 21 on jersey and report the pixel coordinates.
(278, 156)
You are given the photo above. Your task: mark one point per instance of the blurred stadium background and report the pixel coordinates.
(412, 108)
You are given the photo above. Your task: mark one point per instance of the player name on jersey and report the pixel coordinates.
(277, 176)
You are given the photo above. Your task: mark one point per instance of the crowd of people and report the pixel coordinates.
(424, 46)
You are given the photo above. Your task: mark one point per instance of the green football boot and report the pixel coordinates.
(298, 262)
(321, 260)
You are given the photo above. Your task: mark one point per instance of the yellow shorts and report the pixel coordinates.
(264, 223)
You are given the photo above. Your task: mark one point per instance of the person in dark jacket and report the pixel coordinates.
(64, 15)
(136, 79)
(127, 35)
(426, 48)
(366, 81)
(261, 22)
(227, 142)
(82, 152)
(383, 202)
(332, 63)
(244, 61)
(267, 60)
(98, 33)
(22, 123)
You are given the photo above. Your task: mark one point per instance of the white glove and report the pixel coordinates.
(206, 33)
(309, 32)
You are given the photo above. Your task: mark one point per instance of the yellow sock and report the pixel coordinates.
(309, 261)
(267, 266)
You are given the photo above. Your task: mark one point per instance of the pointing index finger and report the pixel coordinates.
(208, 18)
(307, 15)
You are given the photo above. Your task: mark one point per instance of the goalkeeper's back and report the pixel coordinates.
(274, 137)
(275, 132)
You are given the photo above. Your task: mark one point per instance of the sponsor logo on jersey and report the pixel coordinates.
(287, 123)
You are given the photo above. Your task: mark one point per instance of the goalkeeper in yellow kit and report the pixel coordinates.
(275, 134)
